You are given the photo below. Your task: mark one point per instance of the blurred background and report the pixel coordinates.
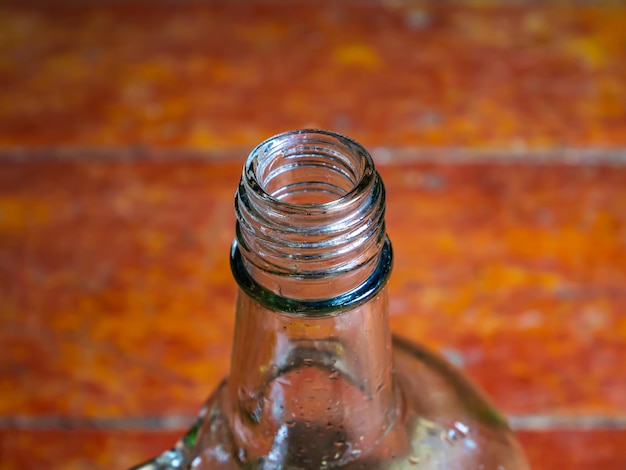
(499, 128)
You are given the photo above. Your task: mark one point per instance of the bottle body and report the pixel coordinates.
(317, 381)
(439, 420)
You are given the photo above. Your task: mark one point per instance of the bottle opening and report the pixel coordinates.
(308, 168)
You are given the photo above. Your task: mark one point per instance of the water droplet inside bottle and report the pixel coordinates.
(451, 436)
(463, 429)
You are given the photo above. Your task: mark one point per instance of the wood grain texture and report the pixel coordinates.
(575, 449)
(123, 129)
(222, 73)
(115, 277)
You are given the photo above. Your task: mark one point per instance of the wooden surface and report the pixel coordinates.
(499, 132)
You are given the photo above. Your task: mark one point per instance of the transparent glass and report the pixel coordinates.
(317, 381)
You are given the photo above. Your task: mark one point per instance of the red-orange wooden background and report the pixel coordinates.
(498, 127)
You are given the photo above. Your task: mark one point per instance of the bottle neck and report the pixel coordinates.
(312, 350)
(310, 216)
(297, 381)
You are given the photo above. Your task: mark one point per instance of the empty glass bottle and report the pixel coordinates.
(317, 381)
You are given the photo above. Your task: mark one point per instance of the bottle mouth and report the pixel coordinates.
(310, 208)
(309, 169)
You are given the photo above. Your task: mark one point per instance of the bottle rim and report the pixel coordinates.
(267, 149)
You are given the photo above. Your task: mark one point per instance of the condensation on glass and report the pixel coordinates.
(317, 381)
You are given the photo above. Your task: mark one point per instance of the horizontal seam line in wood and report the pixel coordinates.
(530, 422)
(382, 155)
(397, 3)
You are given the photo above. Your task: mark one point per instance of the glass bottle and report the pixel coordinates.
(317, 381)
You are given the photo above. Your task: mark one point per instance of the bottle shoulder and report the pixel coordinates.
(450, 424)
(442, 422)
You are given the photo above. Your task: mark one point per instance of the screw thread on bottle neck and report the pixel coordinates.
(310, 216)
